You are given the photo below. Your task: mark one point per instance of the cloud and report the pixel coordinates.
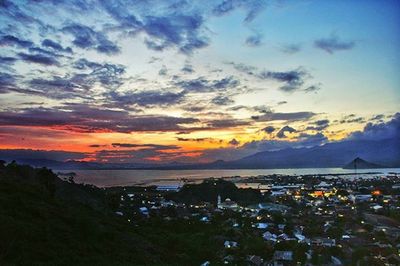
(291, 48)
(319, 125)
(9, 40)
(275, 116)
(193, 139)
(39, 59)
(163, 71)
(19, 154)
(146, 145)
(85, 119)
(83, 64)
(252, 8)
(227, 123)
(187, 69)
(254, 40)
(379, 131)
(56, 46)
(234, 142)
(281, 132)
(313, 88)
(202, 84)
(352, 119)
(7, 82)
(147, 98)
(294, 79)
(87, 38)
(7, 60)
(333, 44)
(269, 129)
(377, 117)
(222, 100)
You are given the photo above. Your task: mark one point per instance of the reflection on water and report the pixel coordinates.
(107, 178)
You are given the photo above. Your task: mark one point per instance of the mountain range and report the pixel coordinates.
(385, 153)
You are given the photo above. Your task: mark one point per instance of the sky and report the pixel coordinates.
(193, 81)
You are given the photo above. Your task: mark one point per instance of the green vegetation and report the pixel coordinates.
(47, 221)
(209, 189)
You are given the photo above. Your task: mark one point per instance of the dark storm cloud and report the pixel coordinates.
(282, 131)
(56, 46)
(274, 116)
(333, 44)
(9, 40)
(87, 38)
(84, 118)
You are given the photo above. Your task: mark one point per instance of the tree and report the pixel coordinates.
(47, 178)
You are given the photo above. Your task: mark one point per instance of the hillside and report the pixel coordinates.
(47, 221)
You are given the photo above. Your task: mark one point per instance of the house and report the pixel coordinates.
(174, 187)
(227, 204)
(230, 244)
(300, 237)
(269, 236)
(326, 242)
(261, 225)
(254, 260)
(205, 219)
(282, 258)
(144, 210)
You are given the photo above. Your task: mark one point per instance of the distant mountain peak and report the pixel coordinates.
(359, 163)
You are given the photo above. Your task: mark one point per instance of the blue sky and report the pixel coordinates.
(193, 80)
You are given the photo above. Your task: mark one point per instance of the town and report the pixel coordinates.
(348, 219)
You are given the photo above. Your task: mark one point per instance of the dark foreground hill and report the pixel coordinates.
(47, 221)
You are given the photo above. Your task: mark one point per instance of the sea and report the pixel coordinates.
(110, 178)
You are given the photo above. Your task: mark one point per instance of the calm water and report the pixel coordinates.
(107, 178)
